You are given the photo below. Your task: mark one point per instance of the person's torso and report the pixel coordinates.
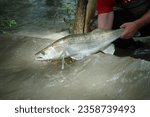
(136, 7)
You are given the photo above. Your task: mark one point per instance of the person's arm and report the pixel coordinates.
(132, 27)
(105, 20)
(143, 20)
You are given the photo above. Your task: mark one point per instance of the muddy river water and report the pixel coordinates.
(99, 76)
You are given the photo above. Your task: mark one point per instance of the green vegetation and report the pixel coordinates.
(6, 25)
(70, 7)
(53, 3)
(64, 9)
(6, 22)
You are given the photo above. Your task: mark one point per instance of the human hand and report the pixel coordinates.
(130, 29)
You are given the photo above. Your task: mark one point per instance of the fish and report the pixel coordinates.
(78, 46)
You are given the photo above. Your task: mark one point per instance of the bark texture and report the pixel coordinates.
(84, 13)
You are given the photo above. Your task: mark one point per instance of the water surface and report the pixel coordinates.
(98, 76)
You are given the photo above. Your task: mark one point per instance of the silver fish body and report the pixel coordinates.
(79, 46)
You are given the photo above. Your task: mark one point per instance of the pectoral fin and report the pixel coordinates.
(77, 57)
(110, 49)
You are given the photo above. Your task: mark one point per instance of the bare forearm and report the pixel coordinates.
(145, 19)
(105, 20)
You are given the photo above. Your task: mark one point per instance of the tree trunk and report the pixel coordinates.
(90, 13)
(80, 17)
(85, 11)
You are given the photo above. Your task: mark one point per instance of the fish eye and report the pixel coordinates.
(43, 52)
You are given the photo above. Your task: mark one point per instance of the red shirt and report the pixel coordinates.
(105, 6)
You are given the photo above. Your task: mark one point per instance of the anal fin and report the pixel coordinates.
(110, 49)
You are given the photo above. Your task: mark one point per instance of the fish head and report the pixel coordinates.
(49, 53)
